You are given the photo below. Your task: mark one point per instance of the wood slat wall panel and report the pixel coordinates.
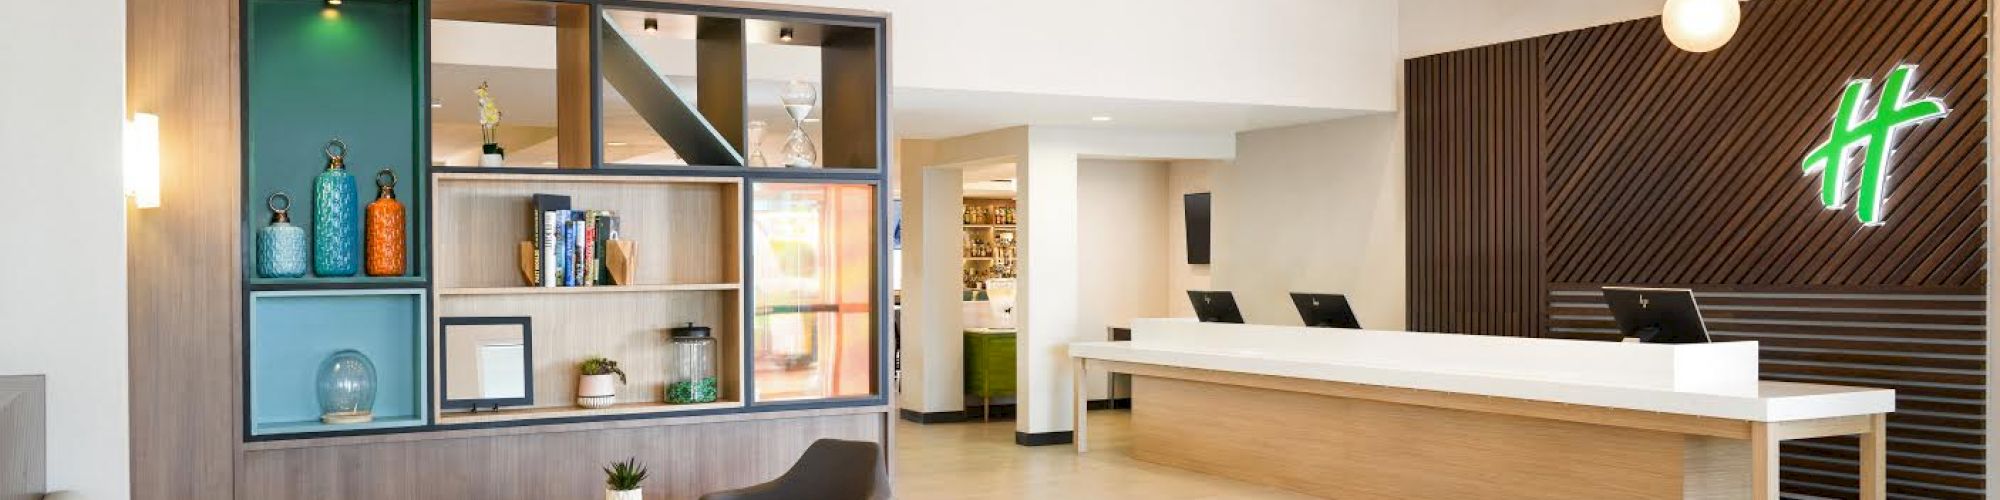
(1474, 201)
(1647, 165)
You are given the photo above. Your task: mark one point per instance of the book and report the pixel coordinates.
(539, 206)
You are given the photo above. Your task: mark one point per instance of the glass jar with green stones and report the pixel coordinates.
(691, 377)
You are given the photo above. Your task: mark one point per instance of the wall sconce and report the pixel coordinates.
(142, 160)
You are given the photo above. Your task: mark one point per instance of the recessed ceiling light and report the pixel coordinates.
(652, 25)
(437, 103)
(334, 3)
(616, 144)
(784, 34)
(549, 163)
(812, 120)
(1100, 118)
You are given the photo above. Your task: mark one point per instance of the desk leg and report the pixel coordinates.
(1080, 406)
(1763, 461)
(1874, 458)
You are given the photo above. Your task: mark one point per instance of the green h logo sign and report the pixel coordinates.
(1851, 130)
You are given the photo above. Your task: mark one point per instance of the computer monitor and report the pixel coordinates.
(1215, 307)
(1657, 315)
(1325, 310)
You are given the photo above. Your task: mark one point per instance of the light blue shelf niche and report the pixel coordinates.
(291, 332)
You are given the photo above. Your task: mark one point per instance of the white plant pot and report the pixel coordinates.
(492, 160)
(623, 495)
(597, 391)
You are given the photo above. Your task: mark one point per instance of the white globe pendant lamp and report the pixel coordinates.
(1700, 25)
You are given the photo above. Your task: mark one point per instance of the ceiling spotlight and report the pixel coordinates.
(1700, 25)
(784, 34)
(437, 103)
(652, 25)
(1100, 118)
(333, 3)
(615, 144)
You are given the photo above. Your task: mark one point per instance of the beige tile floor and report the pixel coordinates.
(979, 461)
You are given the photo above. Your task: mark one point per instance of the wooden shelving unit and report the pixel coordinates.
(554, 412)
(538, 290)
(309, 77)
(687, 231)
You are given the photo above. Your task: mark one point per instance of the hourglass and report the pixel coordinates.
(799, 98)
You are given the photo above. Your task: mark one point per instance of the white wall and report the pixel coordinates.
(1314, 208)
(1122, 237)
(933, 346)
(1183, 178)
(1306, 53)
(63, 299)
(1434, 26)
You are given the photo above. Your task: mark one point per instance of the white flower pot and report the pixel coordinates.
(632, 494)
(492, 160)
(597, 391)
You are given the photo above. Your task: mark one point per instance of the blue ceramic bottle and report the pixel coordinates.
(281, 246)
(336, 217)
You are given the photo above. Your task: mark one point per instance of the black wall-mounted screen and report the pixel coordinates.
(1197, 227)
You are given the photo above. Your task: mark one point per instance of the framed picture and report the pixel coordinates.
(486, 362)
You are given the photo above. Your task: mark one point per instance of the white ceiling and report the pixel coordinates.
(1428, 27)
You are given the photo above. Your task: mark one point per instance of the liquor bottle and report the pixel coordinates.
(281, 246)
(385, 228)
(336, 232)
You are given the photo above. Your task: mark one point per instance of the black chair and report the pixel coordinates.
(830, 469)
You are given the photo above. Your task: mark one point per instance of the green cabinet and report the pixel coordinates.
(989, 364)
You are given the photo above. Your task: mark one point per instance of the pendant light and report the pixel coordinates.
(1700, 25)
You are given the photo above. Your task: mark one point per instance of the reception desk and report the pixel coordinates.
(1372, 414)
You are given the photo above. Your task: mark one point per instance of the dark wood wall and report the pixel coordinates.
(1542, 169)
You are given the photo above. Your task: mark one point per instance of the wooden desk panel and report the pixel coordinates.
(1360, 449)
(1344, 440)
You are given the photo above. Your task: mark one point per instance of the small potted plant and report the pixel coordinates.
(621, 480)
(598, 387)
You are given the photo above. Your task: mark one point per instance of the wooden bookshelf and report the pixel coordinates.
(538, 290)
(635, 408)
(687, 232)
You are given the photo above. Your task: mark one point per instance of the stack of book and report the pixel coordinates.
(569, 243)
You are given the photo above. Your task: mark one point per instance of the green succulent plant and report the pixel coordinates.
(624, 476)
(600, 365)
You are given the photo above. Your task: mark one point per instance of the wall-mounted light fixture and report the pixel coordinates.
(1700, 25)
(142, 160)
(785, 35)
(651, 25)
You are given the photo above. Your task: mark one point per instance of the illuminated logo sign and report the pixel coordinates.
(1854, 129)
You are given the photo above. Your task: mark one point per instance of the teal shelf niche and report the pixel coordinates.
(313, 73)
(292, 332)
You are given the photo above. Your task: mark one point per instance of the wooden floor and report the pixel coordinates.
(979, 461)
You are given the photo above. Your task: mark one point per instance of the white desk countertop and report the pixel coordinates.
(1773, 401)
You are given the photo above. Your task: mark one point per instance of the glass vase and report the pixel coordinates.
(347, 388)
(757, 143)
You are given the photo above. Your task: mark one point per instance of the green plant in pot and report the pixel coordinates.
(622, 479)
(597, 387)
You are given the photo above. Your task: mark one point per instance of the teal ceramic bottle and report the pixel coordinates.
(336, 228)
(281, 246)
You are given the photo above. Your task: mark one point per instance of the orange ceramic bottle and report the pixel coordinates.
(385, 229)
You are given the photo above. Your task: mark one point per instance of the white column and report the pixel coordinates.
(933, 364)
(1048, 303)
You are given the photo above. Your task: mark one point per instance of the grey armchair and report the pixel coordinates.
(830, 469)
